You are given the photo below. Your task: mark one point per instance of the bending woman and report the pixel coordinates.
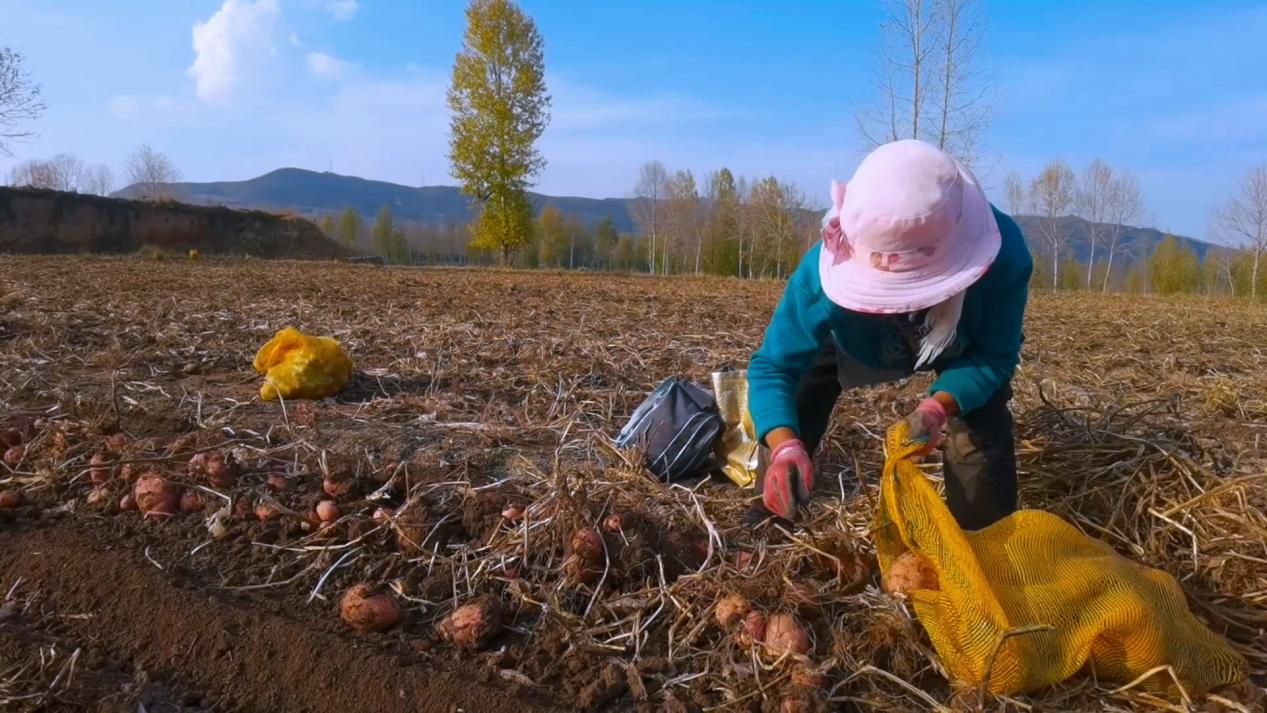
(916, 271)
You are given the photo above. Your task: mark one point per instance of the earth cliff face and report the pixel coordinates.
(40, 221)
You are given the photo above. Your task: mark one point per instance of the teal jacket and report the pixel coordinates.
(981, 360)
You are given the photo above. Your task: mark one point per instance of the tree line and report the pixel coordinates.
(149, 171)
(1110, 201)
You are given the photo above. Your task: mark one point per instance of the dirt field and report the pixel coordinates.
(476, 394)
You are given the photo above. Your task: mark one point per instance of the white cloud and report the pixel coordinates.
(342, 9)
(230, 44)
(327, 66)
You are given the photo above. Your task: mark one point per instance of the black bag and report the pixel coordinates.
(678, 425)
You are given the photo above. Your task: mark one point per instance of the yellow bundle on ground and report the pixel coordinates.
(738, 450)
(297, 366)
(1032, 569)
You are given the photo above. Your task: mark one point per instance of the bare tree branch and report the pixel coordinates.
(151, 172)
(19, 99)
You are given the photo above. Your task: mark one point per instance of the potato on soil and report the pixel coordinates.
(190, 502)
(277, 482)
(910, 572)
(731, 609)
(808, 676)
(327, 511)
(785, 635)
(585, 563)
(98, 497)
(116, 443)
(338, 488)
(221, 472)
(381, 516)
(266, 511)
(127, 502)
(365, 609)
(513, 513)
(753, 631)
(13, 456)
(154, 495)
(471, 625)
(840, 561)
(11, 499)
(99, 469)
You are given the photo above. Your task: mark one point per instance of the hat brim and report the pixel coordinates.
(857, 286)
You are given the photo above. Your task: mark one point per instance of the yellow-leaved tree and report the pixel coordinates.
(500, 108)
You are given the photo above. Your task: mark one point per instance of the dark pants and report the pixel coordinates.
(980, 453)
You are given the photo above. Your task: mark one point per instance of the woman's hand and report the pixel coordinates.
(789, 478)
(930, 417)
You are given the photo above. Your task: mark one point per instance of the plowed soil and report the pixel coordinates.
(478, 421)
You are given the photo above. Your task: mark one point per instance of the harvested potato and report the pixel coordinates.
(366, 610)
(265, 510)
(910, 572)
(471, 625)
(730, 610)
(753, 630)
(339, 488)
(11, 499)
(190, 502)
(785, 635)
(117, 443)
(804, 674)
(327, 511)
(99, 469)
(154, 496)
(221, 472)
(586, 562)
(98, 497)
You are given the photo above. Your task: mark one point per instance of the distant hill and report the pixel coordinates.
(1132, 242)
(311, 192)
(315, 193)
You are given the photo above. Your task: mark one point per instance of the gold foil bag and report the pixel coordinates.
(741, 456)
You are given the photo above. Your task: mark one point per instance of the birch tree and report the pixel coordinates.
(647, 213)
(1052, 194)
(1014, 187)
(1093, 204)
(928, 83)
(1243, 220)
(1125, 205)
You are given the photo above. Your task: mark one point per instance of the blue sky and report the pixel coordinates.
(1174, 91)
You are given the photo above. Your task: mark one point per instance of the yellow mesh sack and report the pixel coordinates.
(297, 366)
(1032, 569)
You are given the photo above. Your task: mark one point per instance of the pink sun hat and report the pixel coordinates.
(911, 230)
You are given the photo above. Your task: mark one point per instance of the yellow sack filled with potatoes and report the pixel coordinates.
(297, 366)
(1033, 570)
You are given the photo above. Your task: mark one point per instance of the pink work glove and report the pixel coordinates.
(926, 422)
(788, 479)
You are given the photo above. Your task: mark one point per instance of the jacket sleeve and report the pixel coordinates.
(975, 376)
(796, 333)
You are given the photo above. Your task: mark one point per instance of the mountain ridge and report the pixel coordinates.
(315, 193)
